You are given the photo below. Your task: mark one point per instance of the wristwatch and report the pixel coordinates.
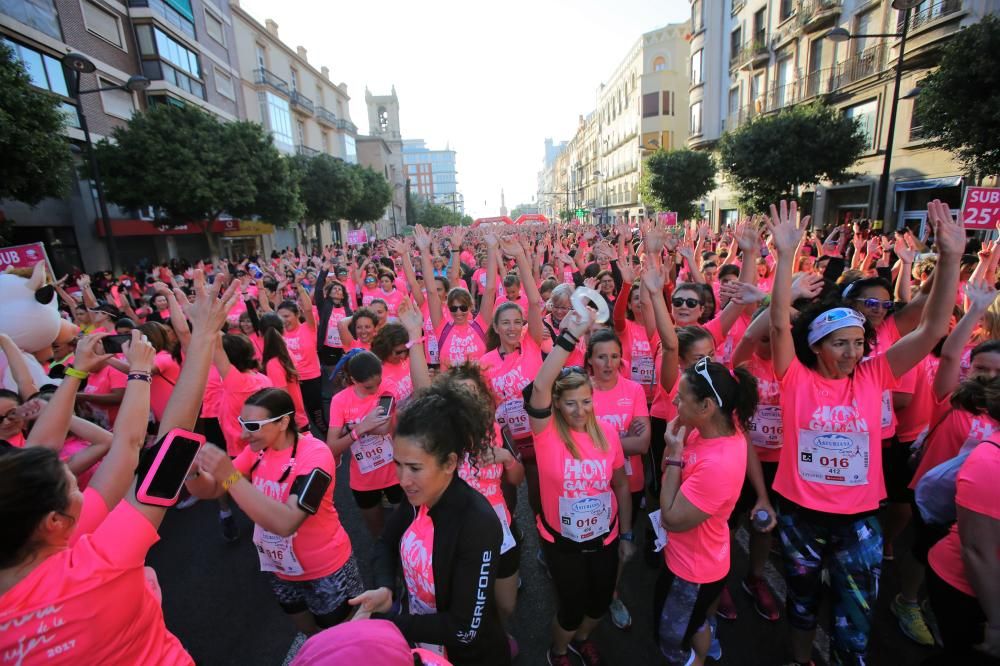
(627, 536)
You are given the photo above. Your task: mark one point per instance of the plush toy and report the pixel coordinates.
(30, 316)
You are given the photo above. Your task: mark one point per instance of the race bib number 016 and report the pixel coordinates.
(834, 458)
(585, 518)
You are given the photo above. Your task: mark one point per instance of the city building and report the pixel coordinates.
(432, 174)
(636, 112)
(183, 46)
(384, 129)
(303, 109)
(754, 57)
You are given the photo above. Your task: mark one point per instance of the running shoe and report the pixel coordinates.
(763, 599)
(911, 621)
(587, 652)
(727, 607)
(558, 659)
(230, 530)
(715, 647)
(620, 616)
(515, 649)
(931, 620)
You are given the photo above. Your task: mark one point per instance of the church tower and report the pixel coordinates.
(383, 116)
(503, 204)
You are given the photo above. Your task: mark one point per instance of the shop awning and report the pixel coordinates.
(928, 184)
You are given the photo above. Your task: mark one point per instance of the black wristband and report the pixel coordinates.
(564, 342)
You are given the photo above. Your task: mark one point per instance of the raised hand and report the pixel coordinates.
(411, 318)
(741, 293)
(90, 355)
(807, 285)
(511, 247)
(785, 228)
(904, 252)
(979, 294)
(747, 235)
(209, 310)
(422, 238)
(141, 355)
(673, 438)
(949, 233)
(652, 279)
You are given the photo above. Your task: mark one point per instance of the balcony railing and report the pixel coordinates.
(306, 151)
(268, 78)
(325, 116)
(301, 102)
(934, 11)
(815, 15)
(346, 125)
(860, 66)
(741, 117)
(751, 52)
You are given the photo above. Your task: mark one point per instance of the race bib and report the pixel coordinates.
(508, 536)
(372, 452)
(765, 427)
(585, 518)
(643, 369)
(275, 553)
(511, 414)
(886, 409)
(333, 333)
(834, 458)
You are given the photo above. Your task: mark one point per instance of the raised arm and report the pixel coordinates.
(305, 304)
(520, 253)
(980, 295)
(423, 241)
(18, 368)
(786, 232)
(413, 321)
(652, 283)
(574, 327)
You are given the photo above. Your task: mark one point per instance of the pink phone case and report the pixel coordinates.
(141, 491)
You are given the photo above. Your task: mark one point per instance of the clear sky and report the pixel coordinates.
(492, 80)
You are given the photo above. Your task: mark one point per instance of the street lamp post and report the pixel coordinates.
(74, 65)
(842, 35)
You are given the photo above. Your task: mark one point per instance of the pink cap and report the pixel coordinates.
(365, 641)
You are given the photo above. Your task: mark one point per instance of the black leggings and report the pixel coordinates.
(960, 619)
(312, 400)
(657, 428)
(584, 581)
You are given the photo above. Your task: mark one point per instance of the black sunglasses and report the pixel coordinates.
(458, 308)
(690, 302)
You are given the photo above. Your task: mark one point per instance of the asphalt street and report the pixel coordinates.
(221, 607)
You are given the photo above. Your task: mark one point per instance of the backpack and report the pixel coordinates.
(935, 492)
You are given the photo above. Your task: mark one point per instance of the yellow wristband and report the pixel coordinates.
(230, 480)
(73, 372)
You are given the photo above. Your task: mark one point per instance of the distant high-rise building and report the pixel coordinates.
(432, 174)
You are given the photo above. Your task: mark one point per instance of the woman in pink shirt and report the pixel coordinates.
(829, 475)
(167, 367)
(360, 425)
(300, 338)
(584, 496)
(391, 346)
(701, 481)
(279, 367)
(358, 330)
(306, 552)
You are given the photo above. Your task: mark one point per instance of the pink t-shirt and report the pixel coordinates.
(724, 349)
(279, 380)
(91, 602)
(950, 429)
(392, 300)
(915, 418)
(711, 480)
(236, 388)
(977, 488)
(416, 555)
(638, 360)
(766, 427)
(397, 380)
(831, 460)
(213, 395)
(431, 340)
(103, 382)
(332, 331)
(486, 478)
(71, 447)
(618, 407)
(562, 479)
(462, 342)
(507, 376)
(886, 335)
(321, 544)
(163, 382)
(663, 401)
(347, 407)
(522, 302)
(301, 345)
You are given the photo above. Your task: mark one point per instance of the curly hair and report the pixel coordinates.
(471, 372)
(447, 418)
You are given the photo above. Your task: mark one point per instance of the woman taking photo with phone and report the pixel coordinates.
(584, 496)
(283, 480)
(445, 539)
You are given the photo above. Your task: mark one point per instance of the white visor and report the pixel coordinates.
(834, 320)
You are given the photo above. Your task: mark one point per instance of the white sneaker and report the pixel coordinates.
(620, 616)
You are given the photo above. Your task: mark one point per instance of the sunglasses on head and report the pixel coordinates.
(572, 369)
(701, 368)
(689, 302)
(458, 308)
(254, 426)
(874, 303)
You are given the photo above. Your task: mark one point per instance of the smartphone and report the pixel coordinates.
(507, 437)
(164, 467)
(113, 343)
(313, 490)
(385, 402)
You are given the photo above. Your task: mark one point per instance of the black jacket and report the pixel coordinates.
(324, 306)
(467, 538)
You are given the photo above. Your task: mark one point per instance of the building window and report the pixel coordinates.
(668, 106)
(300, 132)
(224, 84)
(695, 127)
(697, 20)
(118, 102)
(166, 59)
(786, 9)
(325, 137)
(215, 28)
(261, 56)
(294, 79)
(350, 149)
(103, 23)
(650, 105)
(39, 14)
(176, 13)
(46, 73)
(735, 42)
(759, 27)
(659, 64)
(866, 115)
(279, 118)
(696, 73)
(735, 101)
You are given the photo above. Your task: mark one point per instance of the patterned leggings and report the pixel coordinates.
(850, 547)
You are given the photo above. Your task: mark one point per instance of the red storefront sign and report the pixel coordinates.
(148, 228)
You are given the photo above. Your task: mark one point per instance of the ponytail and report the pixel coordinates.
(737, 390)
(747, 396)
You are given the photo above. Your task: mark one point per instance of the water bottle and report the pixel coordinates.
(761, 519)
(255, 271)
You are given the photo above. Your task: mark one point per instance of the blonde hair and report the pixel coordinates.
(571, 382)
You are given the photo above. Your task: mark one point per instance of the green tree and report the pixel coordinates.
(373, 197)
(959, 103)
(35, 161)
(436, 216)
(565, 215)
(192, 168)
(674, 180)
(329, 187)
(773, 156)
